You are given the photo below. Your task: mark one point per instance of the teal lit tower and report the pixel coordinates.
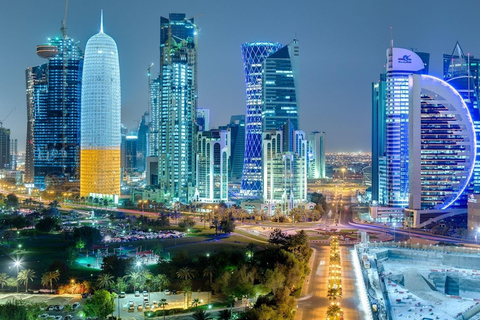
(100, 119)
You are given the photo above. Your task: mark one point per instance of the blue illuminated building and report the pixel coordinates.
(253, 55)
(53, 114)
(462, 72)
(280, 94)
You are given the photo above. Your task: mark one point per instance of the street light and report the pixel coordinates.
(394, 226)
(163, 304)
(138, 265)
(17, 264)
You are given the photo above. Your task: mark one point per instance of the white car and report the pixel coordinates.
(75, 305)
(137, 293)
(145, 293)
(44, 316)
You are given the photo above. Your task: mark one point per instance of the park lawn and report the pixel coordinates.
(249, 235)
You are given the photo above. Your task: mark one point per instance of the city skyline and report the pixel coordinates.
(340, 49)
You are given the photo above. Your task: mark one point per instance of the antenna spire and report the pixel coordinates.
(101, 21)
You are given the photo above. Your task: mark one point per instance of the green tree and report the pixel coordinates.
(3, 279)
(185, 273)
(186, 223)
(201, 315)
(100, 305)
(195, 303)
(278, 237)
(71, 253)
(225, 314)
(12, 282)
(48, 278)
(11, 201)
(14, 310)
(26, 275)
(134, 277)
(105, 281)
(47, 224)
(209, 272)
(160, 281)
(334, 311)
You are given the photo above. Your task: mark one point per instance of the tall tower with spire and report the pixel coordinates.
(100, 119)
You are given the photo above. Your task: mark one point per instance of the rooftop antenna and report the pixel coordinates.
(101, 21)
(64, 22)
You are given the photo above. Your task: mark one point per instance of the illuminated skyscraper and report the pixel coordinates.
(100, 126)
(462, 71)
(213, 153)
(173, 99)
(4, 148)
(280, 88)
(53, 114)
(253, 55)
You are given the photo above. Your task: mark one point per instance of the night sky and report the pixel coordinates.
(342, 50)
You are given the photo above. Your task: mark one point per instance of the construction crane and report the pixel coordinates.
(5, 118)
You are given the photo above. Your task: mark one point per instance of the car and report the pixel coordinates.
(145, 293)
(139, 307)
(174, 291)
(58, 307)
(122, 294)
(58, 318)
(75, 305)
(131, 307)
(50, 308)
(68, 317)
(145, 299)
(147, 306)
(137, 293)
(154, 304)
(44, 316)
(167, 291)
(86, 295)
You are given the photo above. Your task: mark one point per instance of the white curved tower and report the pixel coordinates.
(100, 118)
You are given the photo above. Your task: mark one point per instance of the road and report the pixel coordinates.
(315, 307)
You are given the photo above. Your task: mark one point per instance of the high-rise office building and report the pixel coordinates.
(280, 87)
(142, 143)
(423, 141)
(5, 156)
(253, 55)
(237, 146)
(441, 144)
(53, 114)
(462, 71)
(284, 171)
(130, 153)
(316, 155)
(100, 116)
(173, 104)
(213, 153)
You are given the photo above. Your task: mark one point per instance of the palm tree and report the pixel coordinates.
(134, 276)
(160, 281)
(333, 294)
(334, 310)
(3, 279)
(105, 281)
(201, 315)
(209, 271)
(225, 314)
(49, 277)
(185, 273)
(195, 303)
(26, 275)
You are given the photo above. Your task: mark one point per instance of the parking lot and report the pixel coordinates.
(50, 300)
(173, 301)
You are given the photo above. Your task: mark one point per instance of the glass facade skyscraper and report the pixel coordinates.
(280, 96)
(5, 148)
(101, 111)
(462, 71)
(173, 100)
(53, 114)
(253, 55)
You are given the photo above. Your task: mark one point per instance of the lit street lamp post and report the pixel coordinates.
(17, 264)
